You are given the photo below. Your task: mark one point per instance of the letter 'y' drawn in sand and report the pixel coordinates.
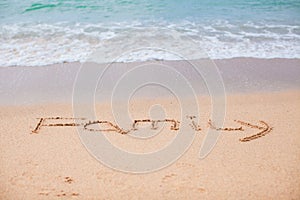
(265, 129)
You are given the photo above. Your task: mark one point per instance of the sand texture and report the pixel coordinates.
(52, 163)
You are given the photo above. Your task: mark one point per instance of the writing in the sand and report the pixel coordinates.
(263, 128)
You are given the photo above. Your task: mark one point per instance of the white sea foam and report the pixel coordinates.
(31, 44)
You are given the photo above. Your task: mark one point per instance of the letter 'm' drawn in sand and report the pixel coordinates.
(265, 129)
(154, 123)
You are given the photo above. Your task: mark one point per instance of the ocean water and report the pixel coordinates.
(44, 32)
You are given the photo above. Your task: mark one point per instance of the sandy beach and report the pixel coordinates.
(123, 99)
(52, 163)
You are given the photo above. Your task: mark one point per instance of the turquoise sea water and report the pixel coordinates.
(45, 32)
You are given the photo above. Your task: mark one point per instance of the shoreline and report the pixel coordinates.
(234, 59)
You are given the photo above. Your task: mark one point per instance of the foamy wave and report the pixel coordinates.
(42, 44)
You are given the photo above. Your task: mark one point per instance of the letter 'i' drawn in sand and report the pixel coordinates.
(194, 126)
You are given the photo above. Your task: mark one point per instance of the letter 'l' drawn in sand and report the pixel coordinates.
(264, 129)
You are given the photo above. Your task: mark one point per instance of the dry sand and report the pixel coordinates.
(54, 164)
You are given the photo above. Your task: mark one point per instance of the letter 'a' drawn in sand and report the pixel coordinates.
(264, 129)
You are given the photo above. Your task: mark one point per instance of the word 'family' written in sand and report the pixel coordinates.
(108, 126)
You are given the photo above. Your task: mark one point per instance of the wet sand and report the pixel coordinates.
(54, 83)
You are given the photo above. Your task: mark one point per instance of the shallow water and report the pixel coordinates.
(35, 33)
